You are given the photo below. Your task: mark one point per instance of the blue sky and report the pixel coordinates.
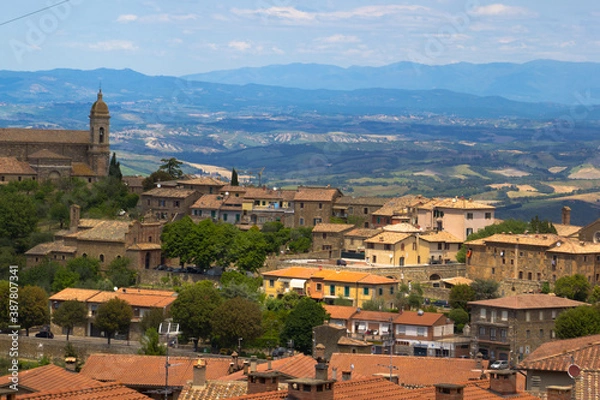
(179, 37)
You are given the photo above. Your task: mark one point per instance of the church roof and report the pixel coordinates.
(10, 165)
(82, 169)
(99, 108)
(45, 153)
(24, 135)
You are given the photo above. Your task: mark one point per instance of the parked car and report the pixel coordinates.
(45, 334)
(500, 364)
(162, 267)
(341, 262)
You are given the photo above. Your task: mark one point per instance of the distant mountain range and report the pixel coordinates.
(535, 81)
(69, 92)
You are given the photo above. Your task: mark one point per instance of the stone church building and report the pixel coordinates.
(42, 154)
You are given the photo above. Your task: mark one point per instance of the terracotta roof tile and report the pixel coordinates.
(52, 377)
(10, 165)
(170, 193)
(414, 318)
(214, 390)
(567, 230)
(328, 275)
(528, 301)
(388, 238)
(45, 153)
(364, 201)
(402, 227)
(109, 231)
(125, 369)
(559, 354)
(362, 232)
(528, 239)
(74, 294)
(442, 236)
(134, 299)
(201, 181)
(456, 203)
(346, 341)
(145, 246)
(316, 194)
(208, 202)
(260, 193)
(44, 135)
(412, 371)
(292, 272)
(297, 366)
(133, 181)
(339, 312)
(104, 391)
(81, 169)
(332, 228)
(44, 249)
(572, 246)
(398, 205)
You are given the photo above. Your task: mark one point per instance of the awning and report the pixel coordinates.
(297, 283)
(284, 279)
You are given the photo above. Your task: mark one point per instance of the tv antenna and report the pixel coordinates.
(168, 328)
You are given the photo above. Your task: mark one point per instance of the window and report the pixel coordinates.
(387, 246)
(446, 246)
(504, 316)
(224, 217)
(301, 222)
(402, 247)
(366, 291)
(414, 246)
(527, 316)
(365, 210)
(554, 314)
(271, 282)
(541, 333)
(319, 287)
(493, 270)
(520, 274)
(493, 333)
(439, 246)
(176, 203)
(317, 221)
(529, 276)
(541, 315)
(381, 291)
(347, 291)
(101, 257)
(301, 205)
(469, 231)
(332, 290)
(324, 236)
(488, 215)
(503, 333)
(482, 313)
(481, 330)
(391, 290)
(469, 215)
(162, 203)
(421, 331)
(401, 330)
(527, 333)
(320, 206)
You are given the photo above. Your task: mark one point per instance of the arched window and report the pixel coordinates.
(84, 255)
(101, 257)
(401, 261)
(101, 137)
(147, 261)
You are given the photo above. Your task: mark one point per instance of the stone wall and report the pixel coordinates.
(157, 278)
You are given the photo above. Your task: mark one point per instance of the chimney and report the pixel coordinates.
(269, 366)
(321, 371)
(310, 389)
(320, 352)
(559, 392)
(71, 364)
(449, 391)
(503, 381)
(235, 361)
(566, 215)
(199, 373)
(253, 364)
(346, 375)
(262, 382)
(334, 373)
(479, 361)
(75, 215)
(246, 367)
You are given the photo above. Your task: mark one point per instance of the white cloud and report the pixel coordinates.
(570, 43)
(156, 18)
(376, 11)
(500, 10)
(127, 18)
(340, 39)
(287, 13)
(239, 45)
(113, 45)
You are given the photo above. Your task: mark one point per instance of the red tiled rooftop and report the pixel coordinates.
(528, 301)
(339, 312)
(52, 377)
(559, 354)
(103, 391)
(298, 366)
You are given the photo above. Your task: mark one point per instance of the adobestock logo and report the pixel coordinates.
(38, 30)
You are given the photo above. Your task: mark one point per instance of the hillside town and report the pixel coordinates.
(389, 298)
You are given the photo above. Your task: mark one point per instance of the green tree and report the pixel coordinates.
(373, 305)
(342, 301)
(300, 240)
(595, 295)
(18, 217)
(234, 178)
(152, 319)
(151, 344)
(64, 278)
(249, 250)
(485, 289)
(172, 167)
(541, 226)
(179, 240)
(460, 295)
(120, 274)
(41, 275)
(87, 268)
(460, 318)
(59, 212)
(114, 169)
(113, 316)
(577, 322)
(574, 287)
(193, 310)
(69, 314)
(300, 322)
(33, 307)
(236, 318)
(4, 304)
(157, 176)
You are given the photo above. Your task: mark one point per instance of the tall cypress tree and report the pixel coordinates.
(114, 169)
(234, 178)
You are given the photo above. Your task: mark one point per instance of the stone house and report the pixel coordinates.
(12, 170)
(523, 262)
(329, 237)
(510, 328)
(167, 204)
(357, 210)
(458, 216)
(55, 154)
(441, 246)
(313, 205)
(562, 363)
(217, 207)
(394, 248)
(141, 301)
(202, 185)
(354, 241)
(397, 210)
(103, 240)
(261, 205)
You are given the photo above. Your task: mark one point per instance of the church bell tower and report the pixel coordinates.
(99, 150)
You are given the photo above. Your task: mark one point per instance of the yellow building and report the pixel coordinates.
(326, 285)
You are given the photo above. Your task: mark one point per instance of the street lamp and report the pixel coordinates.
(240, 346)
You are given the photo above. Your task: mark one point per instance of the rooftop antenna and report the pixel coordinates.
(168, 328)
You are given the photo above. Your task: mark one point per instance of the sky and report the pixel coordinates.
(179, 37)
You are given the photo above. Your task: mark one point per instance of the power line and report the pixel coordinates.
(33, 13)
